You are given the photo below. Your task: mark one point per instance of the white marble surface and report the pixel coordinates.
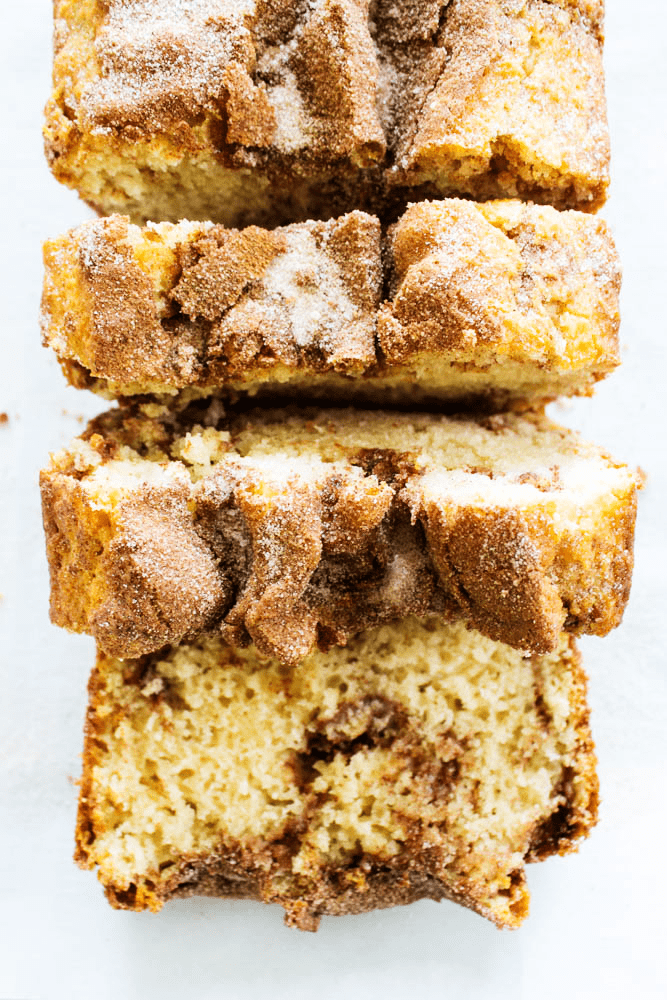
(597, 923)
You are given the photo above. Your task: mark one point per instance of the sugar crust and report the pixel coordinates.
(268, 111)
(304, 528)
(497, 305)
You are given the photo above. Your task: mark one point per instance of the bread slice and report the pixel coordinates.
(304, 527)
(496, 305)
(268, 111)
(422, 760)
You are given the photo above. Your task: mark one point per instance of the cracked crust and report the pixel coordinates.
(265, 111)
(428, 841)
(304, 528)
(501, 305)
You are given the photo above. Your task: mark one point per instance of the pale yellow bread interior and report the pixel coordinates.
(417, 748)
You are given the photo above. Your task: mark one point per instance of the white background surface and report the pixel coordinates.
(597, 924)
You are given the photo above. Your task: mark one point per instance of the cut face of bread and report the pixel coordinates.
(265, 111)
(420, 761)
(498, 305)
(307, 527)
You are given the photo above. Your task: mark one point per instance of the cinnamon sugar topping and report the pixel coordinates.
(259, 112)
(307, 528)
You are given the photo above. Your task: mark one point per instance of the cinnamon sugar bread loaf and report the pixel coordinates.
(421, 761)
(304, 527)
(269, 111)
(495, 305)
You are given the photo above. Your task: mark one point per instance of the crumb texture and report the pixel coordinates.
(422, 760)
(298, 528)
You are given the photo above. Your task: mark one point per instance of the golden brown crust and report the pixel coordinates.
(470, 548)
(260, 869)
(499, 304)
(157, 69)
(204, 306)
(267, 98)
(499, 275)
(226, 84)
(348, 891)
(578, 812)
(152, 561)
(489, 119)
(319, 556)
